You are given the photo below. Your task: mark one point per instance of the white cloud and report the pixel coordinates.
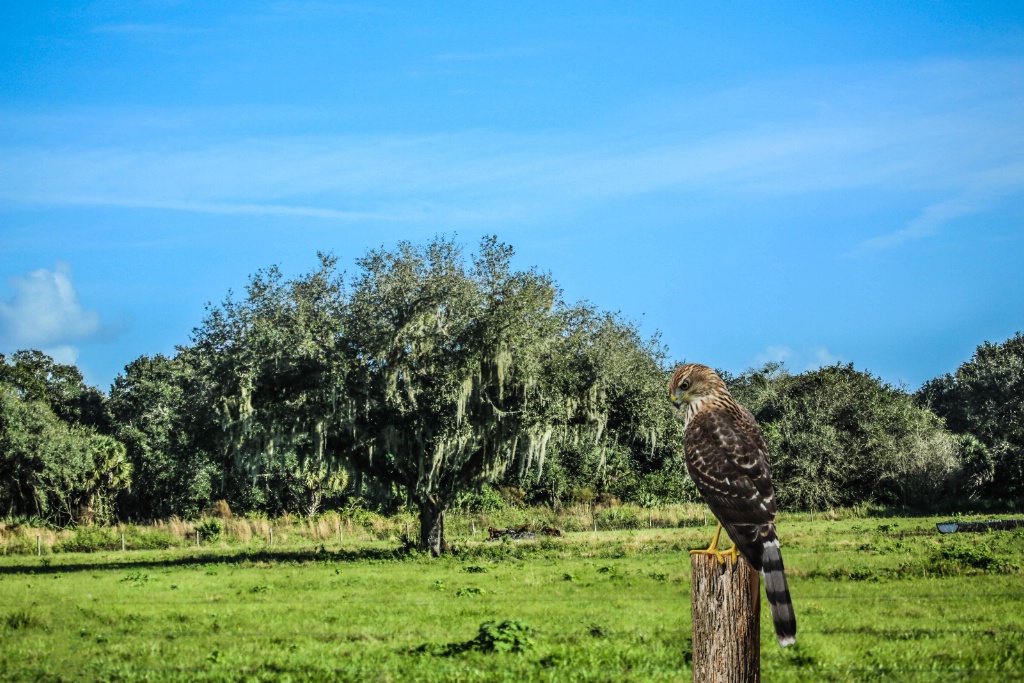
(64, 354)
(797, 360)
(774, 354)
(45, 312)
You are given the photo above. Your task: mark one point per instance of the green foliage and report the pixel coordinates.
(93, 539)
(839, 436)
(136, 578)
(494, 637)
(21, 619)
(109, 474)
(157, 410)
(274, 365)
(445, 362)
(36, 377)
(970, 554)
(513, 496)
(897, 615)
(435, 381)
(984, 398)
(427, 378)
(619, 517)
(88, 540)
(210, 529)
(53, 469)
(507, 635)
(487, 499)
(615, 426)
(650, 489)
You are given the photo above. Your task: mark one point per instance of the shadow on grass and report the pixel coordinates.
(946, 508)
(46, 565)
(613, 547)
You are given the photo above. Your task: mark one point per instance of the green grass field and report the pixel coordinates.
(883, 599)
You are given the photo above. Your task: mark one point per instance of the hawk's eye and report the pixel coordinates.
(685, 385)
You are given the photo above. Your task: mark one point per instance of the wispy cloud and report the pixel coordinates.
(316, 10)
(783, 139)
(146, 30)
(923, 225)
(982, 194)
(227, 208)
(489, 55)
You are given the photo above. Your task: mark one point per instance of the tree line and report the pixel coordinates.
(432, 379)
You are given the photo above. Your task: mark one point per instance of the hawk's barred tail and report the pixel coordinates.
(777, 590)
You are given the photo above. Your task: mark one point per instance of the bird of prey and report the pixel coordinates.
(728, 461)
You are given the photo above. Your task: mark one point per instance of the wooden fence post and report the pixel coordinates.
(726, 608)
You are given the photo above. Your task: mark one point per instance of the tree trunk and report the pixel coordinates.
(432, 528)
(726, 608)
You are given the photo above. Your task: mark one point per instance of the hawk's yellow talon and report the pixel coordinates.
(720, 555)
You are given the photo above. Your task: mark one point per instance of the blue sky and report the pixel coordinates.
(812, 183)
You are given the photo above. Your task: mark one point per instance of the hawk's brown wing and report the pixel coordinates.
(728, 460)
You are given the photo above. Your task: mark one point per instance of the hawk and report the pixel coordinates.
(728, 461)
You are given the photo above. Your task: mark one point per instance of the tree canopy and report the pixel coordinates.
(984, 399)
(839, 436)
(429, 374)
(158, 413)
(55, 465)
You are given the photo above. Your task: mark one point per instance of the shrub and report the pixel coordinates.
(149, 540)
(502, 636)
(136, 578)
(484, 500)
(513, 496)
(583, 496)
(979, 556)
(494, 636)
(840, 436)
(210, 529)
(623, 517)
(660, 487)
(89, 540)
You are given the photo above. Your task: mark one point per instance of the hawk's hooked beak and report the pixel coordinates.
(676, 399)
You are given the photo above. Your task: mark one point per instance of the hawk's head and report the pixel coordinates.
(692, 383)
